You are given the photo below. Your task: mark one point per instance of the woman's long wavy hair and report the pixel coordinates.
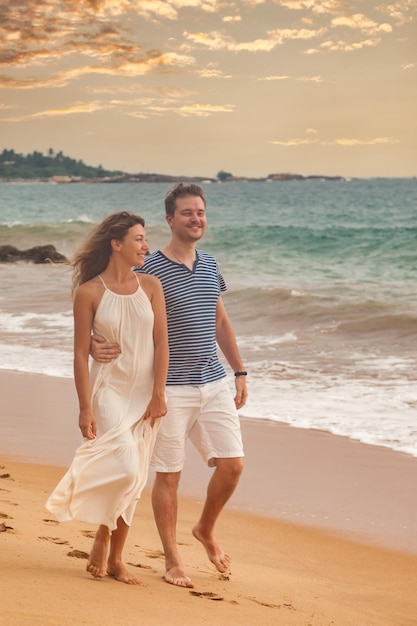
(93, 255)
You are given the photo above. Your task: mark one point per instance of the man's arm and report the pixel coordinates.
(226, 339)
(103, 351)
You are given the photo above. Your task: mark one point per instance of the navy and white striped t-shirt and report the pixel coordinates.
(191, 298)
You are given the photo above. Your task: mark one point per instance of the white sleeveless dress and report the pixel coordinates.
(108, 474)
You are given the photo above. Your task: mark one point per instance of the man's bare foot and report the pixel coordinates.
(120, 573)
(97, 560)
(216, 555)
(176, 576)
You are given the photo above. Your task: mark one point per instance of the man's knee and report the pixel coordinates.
(167, 480)
(231, 469)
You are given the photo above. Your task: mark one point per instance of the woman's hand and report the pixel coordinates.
(87, 424)
(156, 408)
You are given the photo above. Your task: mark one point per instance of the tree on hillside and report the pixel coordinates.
(222, 175)
(37, 165)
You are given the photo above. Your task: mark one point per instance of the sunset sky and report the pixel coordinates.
(190, 87)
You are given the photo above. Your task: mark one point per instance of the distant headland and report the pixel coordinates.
(55, 167)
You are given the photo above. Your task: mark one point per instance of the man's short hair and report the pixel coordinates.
(181, 191)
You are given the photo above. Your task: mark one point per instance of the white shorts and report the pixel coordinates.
(208, 416)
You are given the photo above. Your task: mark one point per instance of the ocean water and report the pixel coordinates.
(322, 291)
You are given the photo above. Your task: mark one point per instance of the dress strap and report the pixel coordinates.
(104, 284)
(137, 278)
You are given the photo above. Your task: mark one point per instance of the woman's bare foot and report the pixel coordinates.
(97, 560)
(216, 555)
(118, 571)
(176, 576)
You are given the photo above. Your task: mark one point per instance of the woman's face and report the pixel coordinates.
(134, 246)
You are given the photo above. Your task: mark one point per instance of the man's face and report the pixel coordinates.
(189, 221)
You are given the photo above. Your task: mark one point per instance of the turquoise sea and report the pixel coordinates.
(322, 291)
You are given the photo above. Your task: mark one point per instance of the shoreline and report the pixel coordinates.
(306, 477)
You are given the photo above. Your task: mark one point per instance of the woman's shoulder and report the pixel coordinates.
(149, 280)
(151, 285)
(90, 287)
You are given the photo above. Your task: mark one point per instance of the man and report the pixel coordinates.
(200, 405)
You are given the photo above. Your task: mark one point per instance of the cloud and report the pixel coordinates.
(360, 22)
(36, 34)
(167, 102)
(344, 46)
(210, 72)
(311, 79)
(205, 110)
(215, 40)
(209, 6)
(283, 77)
(400, 12)
(336, 142)
(158, 8)
(76, 108)
(292, 142)
(163, 9)
(315, 6)
(156, 62)
(370, 32)
(365, 142)
(184, 110)
(305, 79)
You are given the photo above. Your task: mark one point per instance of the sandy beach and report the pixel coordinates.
(322, 530)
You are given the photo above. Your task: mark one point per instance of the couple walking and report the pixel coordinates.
(137, 404)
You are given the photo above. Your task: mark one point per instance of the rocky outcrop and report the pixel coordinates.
(37, 254)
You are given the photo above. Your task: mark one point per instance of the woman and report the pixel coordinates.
(120, 403)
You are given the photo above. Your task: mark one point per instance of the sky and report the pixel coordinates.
(192, 87)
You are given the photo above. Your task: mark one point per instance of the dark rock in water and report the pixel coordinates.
(9, 254)
(37, 254)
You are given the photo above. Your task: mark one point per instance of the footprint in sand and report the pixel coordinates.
(154, 554)
(142, 566)
(56, 540)
(53, 522)
(89, 533)
(285, 605)
(78, 554)
(215, 574)
(5, 516)
(206, 594)
(4, 527)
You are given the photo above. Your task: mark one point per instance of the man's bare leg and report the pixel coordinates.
(165, 506)
(97, 560)
(115, 565)
(220, 488)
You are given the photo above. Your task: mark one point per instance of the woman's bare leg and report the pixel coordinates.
(97, 560)
(115, 565)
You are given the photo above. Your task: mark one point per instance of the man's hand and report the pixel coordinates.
(241, 391)
(103, 351)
